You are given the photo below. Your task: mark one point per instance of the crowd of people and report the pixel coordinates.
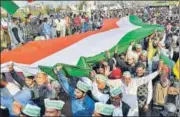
(44, 27)
(133, 83)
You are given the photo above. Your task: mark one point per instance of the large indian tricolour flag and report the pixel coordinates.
(11, 6)
(77, 53)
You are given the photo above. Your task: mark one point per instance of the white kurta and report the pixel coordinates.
(119, 113)
(63, 27)
(150, 92)
(99, 96)
(130, 91)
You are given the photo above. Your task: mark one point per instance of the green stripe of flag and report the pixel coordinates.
(137, 21)
(68, 70)
(9, 6)
(83, 68)
(167, 61)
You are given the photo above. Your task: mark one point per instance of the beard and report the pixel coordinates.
(116, 104)
(139, 75)
(155, 45)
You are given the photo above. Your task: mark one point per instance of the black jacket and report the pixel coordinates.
(18, 79)
(125, 108)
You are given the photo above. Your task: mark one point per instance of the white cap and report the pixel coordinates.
(127, 74)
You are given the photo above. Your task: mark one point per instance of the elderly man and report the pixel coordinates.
(136, 53)
(121, 108)
(53, 107)
(82, 104)
(125, 65)
(144, 92)
(103, 110)
(47, 89)
(143, 58)
(130, 88)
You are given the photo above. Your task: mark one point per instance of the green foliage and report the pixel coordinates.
(80, 7)
(33, 12)
(59, 9)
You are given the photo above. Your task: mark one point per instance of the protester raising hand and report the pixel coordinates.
(92, 74)
(108, 54)
(107, 71)
(116, 49)
(160, 67)
(132, 43)
(152, 35)
(58, 68)
(105, 64)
